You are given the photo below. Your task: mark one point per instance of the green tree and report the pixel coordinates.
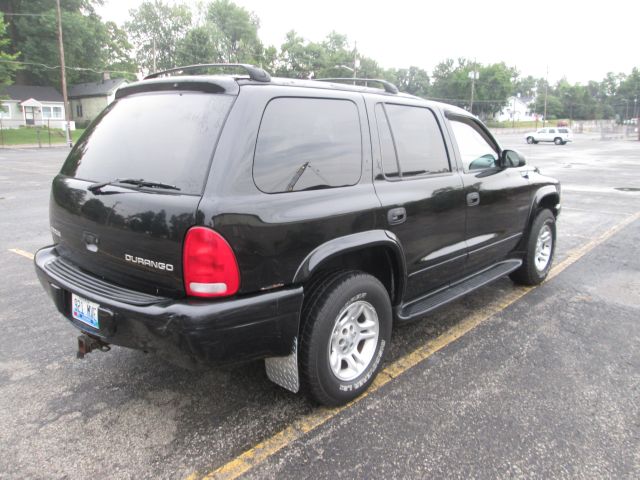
(237, 32)
(35, 36)
(412, 80)
(156, 29)
(7, 68)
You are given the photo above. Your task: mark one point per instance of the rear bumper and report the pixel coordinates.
(184, 330)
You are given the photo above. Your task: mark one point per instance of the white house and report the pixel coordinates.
(517, 110)
(89, 99)
(29, 105)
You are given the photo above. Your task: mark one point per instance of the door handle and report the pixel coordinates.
(396, 216)
(473, 199)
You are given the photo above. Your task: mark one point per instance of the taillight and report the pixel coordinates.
(209, 265)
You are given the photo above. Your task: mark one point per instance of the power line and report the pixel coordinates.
(78, 69)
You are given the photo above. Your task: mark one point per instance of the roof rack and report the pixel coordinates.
(388, 86)
(255, 73)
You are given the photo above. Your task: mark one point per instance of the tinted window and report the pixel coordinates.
(387, 149)
(551, 130)
(308, 143)
(160, 137)
(418, 140)
(563, 130)
(476, 153)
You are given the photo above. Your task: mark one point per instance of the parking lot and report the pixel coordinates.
(508, 382)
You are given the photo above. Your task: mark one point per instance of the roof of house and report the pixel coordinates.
(95, 89)
(25, 92)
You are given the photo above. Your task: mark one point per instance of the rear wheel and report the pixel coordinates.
(540, 249)
(346, 331)
(530, 140)
(557, 141)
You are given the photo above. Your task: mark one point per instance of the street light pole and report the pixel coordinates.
(65, 98)
(546, 91)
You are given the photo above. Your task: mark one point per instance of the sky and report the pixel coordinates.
(578, 40)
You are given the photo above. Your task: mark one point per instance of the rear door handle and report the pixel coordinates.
(473, 199)
(396, 216)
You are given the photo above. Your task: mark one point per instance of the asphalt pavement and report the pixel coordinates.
(547, 386)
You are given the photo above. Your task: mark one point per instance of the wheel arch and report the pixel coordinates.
(546, 197)
(377, 252)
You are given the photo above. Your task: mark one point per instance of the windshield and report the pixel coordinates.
(165, 137)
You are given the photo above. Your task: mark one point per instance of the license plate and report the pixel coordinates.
(84, 310)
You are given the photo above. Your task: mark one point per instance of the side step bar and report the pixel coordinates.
(421, 306)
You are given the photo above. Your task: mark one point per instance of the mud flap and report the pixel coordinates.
(283, 371)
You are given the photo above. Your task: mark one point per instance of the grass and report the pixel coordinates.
(30, 135)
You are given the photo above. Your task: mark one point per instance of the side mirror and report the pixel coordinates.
(512, 158)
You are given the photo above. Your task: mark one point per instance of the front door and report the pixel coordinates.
(421, 193)
(497, 198)
(29, 115)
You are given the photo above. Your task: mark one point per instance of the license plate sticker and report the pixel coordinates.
(84, 310)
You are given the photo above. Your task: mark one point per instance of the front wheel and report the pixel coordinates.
(540, 247)
(346, 332)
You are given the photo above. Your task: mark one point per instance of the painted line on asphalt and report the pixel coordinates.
(21, 252)
(307, 423)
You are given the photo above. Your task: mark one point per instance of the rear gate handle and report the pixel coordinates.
(396, 216)
(473, 199)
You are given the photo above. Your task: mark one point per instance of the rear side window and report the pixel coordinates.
(306, 144)
(165, 137)
(411, 141)
(563, 130)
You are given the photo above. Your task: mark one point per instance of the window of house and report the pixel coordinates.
(79, 110)
(306, 144)
(5, 110)
(475, 151)
(411, 141)
(51, 112)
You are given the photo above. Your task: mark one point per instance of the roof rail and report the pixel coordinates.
(388, 86)
(255, 73)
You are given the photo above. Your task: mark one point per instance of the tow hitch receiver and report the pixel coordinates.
(87, 344)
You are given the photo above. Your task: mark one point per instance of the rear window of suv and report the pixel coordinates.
(165, 137)
(307, 144)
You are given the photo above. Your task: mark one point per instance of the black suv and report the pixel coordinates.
(236, 217)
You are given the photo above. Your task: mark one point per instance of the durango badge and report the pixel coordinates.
(149, 263)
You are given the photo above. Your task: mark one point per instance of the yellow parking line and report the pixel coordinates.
(265, 449)
(24, 253)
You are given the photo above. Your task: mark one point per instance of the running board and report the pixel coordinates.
(418, 308)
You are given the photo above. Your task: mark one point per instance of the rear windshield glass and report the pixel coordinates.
(159, 137)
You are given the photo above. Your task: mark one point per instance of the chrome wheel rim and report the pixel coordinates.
(353, 340)
(544, 245)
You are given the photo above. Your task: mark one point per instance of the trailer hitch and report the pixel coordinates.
(88, 343)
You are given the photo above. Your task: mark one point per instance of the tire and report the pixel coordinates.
(540, 247)
(557, 141)
(336, 365)
(530, 140)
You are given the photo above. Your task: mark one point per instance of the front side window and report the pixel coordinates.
(411, 142)
(308, 144)
(476, 153)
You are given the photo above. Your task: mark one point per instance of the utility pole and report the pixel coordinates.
(65, 99)
(356, 63)
(155, 69)
(473, 85)
(546, 91)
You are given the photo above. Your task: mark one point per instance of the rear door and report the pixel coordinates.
(132, 234)
(497, 198)
(421, 193)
